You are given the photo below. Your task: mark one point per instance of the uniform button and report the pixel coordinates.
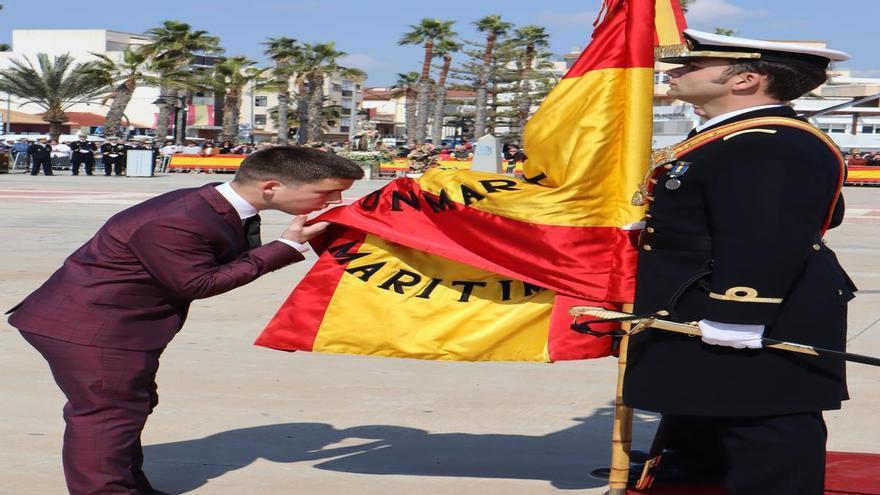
(816, 247)
(668, 166)
(651, 230)
(647, 247)
(648, 215)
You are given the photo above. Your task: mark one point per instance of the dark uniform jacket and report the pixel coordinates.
(740, 242)
(82, 150)
(108, 150)
(39, 150)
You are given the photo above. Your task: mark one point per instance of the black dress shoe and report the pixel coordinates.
(153, 491)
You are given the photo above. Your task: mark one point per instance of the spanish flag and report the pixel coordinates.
(462, 265)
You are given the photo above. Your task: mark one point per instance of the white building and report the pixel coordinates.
(81, 44)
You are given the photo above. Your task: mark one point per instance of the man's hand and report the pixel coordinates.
(299, 232)
(732, 334)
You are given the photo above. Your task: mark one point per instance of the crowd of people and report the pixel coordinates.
(110, 155)
(857, 158)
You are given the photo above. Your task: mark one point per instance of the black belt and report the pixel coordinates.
(679, 242)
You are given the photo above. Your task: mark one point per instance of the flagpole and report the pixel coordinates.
(621, 429)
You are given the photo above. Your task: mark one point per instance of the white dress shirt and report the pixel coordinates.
(246, 210)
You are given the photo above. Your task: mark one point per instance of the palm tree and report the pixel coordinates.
(532, 38)
(444, 49)
(231, 76)
(55, 86)
(494, 28)
(685, 4)
(406, 86)
(123, 77)
(173, 48)
(283, 51)
(425, 33)
(313, 66)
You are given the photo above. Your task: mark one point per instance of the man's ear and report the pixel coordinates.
(747, 81)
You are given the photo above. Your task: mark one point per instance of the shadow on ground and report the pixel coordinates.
(563, 458)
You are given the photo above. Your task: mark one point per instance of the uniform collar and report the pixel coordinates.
(729, 115)
(745, 114)
(242, 207)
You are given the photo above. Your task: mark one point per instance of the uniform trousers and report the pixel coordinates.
(113, 164)
(42, 161)
(765, 455)
(110, 393)
(89, 164)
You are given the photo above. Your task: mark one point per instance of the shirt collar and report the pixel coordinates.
(244, 209)
(730, 115)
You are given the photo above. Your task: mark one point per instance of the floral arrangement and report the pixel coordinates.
(423, 157)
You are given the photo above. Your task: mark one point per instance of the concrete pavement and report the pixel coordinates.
(235, 419)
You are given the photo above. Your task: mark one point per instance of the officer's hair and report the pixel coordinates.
(786, 81)
(291, 164)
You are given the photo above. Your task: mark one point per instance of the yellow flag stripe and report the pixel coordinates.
(573, 127)
(365, 318)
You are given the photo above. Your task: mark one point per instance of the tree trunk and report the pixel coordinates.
(283, 109)
(55, 129)
(492, 110)
(316, 104)
(302, 111)
(440, 102)
(231, 104)
(525, 103)
(165, 96)
(439, 113)
(113, 121)
(424, 93)
(182, 116)
(480, 112)
(410, 109)
(423, 110)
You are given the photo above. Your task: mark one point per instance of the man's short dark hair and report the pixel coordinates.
(296, 164)
(786, 81)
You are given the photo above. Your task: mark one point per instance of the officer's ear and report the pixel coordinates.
(748, 82)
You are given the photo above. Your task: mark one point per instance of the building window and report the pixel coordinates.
(661, 78)
(345, 122)
(259, 119)
(837, 128)
(347, 85)
(261, 101)
(346, 103)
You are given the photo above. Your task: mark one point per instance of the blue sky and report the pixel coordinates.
(368, 31)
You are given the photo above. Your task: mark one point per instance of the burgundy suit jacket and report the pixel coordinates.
(130, 286)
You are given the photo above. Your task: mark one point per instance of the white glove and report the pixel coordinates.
(732, 334)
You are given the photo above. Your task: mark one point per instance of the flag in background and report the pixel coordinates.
(463, 265)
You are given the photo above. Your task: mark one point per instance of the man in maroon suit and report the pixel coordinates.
(102, 320)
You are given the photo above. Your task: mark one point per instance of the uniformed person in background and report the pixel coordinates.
(41, 156)
(83, 153)
(113, 156)
(733, 240)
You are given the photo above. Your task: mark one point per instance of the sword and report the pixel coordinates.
(642, 322)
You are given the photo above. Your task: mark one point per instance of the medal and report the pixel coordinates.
(673, 184)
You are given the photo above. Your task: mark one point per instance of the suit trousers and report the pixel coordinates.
(110, 393)
(765, 455)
